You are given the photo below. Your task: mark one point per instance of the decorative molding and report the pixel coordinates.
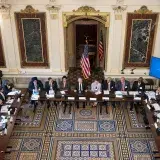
(119, 9)
(143, 10)
(86, 12)
(29, 9)
(53, 8)
(118, 17)
(4, 7)
(86, 9)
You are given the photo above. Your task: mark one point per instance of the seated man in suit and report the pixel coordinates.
(7, 87)
(64, 85)
(123, 85)
(110, 86)
(51, 85)
(80, 88)
(139, 86)
(34, 84)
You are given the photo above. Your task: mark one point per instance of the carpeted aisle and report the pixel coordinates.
(82, 135)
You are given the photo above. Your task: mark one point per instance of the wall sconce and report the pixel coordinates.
(53, 8)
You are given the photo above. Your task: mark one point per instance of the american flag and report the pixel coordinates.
(100, 47)
(85, 64)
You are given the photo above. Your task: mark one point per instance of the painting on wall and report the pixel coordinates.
(31, 29)
(140, 34)
(2, 58)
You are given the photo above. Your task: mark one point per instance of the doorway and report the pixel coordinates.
(85, 31)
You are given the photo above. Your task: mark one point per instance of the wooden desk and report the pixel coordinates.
(4, 139)
(153, 129)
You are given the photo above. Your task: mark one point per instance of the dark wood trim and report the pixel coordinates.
(42, 16)
(130, 17)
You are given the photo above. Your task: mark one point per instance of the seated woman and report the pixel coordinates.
(34, 84)
(95, 87)
(64, 85)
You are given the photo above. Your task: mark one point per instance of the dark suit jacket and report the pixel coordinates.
(31, 85)
(54, 86)
(83, 87)
(105, 86)
(6, 90)
(61, 86)
(119, 86)
(141, 87)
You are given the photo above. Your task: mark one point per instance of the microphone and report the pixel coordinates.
(122, 70)
(132, 70)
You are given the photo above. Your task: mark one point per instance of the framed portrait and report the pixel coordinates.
(139, 42)
(32, 38)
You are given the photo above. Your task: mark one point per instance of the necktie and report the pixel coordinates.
(109, 86)
(123, 84)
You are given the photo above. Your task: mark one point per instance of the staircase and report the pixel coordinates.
(75, 72)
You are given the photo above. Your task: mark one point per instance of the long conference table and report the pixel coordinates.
(4, 139)
(150, 117)
(72, 96)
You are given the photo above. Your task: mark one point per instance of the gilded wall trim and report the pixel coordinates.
(143, 10)
(29, 9)
(86, 12)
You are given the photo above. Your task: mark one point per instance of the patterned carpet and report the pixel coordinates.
(82, 135)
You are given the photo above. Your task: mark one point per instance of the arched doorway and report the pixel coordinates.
(82, 23)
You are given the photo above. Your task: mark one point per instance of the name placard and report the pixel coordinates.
(137, 98)
(71, 98)
(92, 99)
(105, 98)
(82, 98)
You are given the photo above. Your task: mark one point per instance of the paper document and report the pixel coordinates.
(4, 109)
(133, 93)
(106, 91)
(14, 93)
(119, 96)
(10, 101)
(156, 106)
(62, 92)
(34, 97)
(118, 93)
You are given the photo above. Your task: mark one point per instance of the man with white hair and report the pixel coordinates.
(80, 88)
